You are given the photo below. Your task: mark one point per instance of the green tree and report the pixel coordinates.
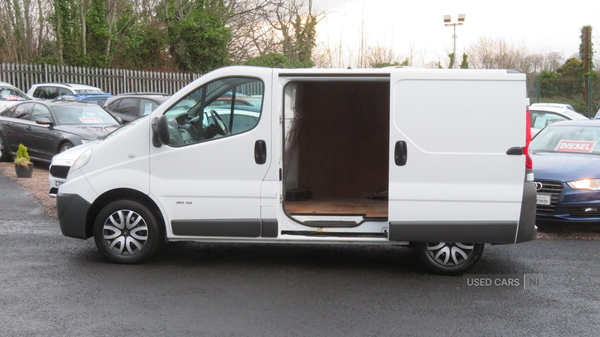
(451, 65)
(464, 64)
(274, 60)
(570, 78)
(548, 83)
(198, 39)
(305, 34)
(590, 54)
(97, 35)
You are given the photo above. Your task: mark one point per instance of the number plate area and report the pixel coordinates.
(543, 199)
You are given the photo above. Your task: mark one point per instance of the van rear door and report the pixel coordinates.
(454, 173)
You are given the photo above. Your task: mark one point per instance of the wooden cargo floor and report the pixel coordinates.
(342, 206)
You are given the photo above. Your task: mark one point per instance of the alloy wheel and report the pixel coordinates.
(450, 253)
(125, 232)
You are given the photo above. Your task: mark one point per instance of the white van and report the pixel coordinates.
(428, 158)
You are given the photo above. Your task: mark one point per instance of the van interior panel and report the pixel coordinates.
(340, 143)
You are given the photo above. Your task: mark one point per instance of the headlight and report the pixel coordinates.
(83, 159)
(585, 184)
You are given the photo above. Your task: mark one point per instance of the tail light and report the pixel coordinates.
(528, 160)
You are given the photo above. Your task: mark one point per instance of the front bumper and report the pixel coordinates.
(72, 212)
(567, 204)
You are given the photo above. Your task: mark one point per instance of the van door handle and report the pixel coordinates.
(400, 153)
(260, 152)
(515, 151)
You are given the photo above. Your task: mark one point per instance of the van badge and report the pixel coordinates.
(538, 185)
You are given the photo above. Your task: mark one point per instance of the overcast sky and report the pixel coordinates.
(542, 26)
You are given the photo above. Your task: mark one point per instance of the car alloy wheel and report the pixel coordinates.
(126, 232)
(64, 147)
(449, 258)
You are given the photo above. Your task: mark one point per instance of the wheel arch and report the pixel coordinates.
(123, 194)
(63, 142)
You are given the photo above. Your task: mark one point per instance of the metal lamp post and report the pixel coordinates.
(447, 20)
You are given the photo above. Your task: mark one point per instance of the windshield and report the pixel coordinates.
(574, 139)
(83, 115)
(12, 94)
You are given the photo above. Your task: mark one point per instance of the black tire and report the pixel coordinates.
(4, 155)
(448, 258)
(64, 147)
(126, 231)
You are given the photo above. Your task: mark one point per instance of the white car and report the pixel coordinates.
(10, 95)
(552, 105)
(53, 90)
(543, 115)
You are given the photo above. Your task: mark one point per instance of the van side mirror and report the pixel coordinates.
(160, 131)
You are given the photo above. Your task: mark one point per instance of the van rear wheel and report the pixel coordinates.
(448, 258)
(126, 231)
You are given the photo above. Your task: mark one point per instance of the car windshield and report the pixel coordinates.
(90, 91)
(12, 94)
(568, 138)
(83, 115)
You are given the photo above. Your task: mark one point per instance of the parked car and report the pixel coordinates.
(53, 90)
(552, 105)
(48, 128)
(544, 115)
(131, 106)
(10, 95)
(98, 99)
(566, 167)
(225, 101)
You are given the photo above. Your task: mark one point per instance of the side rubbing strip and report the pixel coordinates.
(479, 232)
(249, 228)
(270, 228)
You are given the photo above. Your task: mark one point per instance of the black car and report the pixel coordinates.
(134, 105)
(47, 128)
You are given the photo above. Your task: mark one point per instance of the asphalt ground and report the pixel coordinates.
(51, 285)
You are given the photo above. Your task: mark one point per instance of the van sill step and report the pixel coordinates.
(325, 223)
(336, 234)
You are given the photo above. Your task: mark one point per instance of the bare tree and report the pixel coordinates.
(496, 53)
(378, 56)
(263, 26)
(23, 32)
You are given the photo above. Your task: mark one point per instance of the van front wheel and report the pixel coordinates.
(448, 258)
(126, 231)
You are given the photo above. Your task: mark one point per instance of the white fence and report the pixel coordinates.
(114, 81)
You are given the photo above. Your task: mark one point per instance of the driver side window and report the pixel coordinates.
(218, 109)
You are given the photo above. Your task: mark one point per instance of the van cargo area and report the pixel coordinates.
(336, 155)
